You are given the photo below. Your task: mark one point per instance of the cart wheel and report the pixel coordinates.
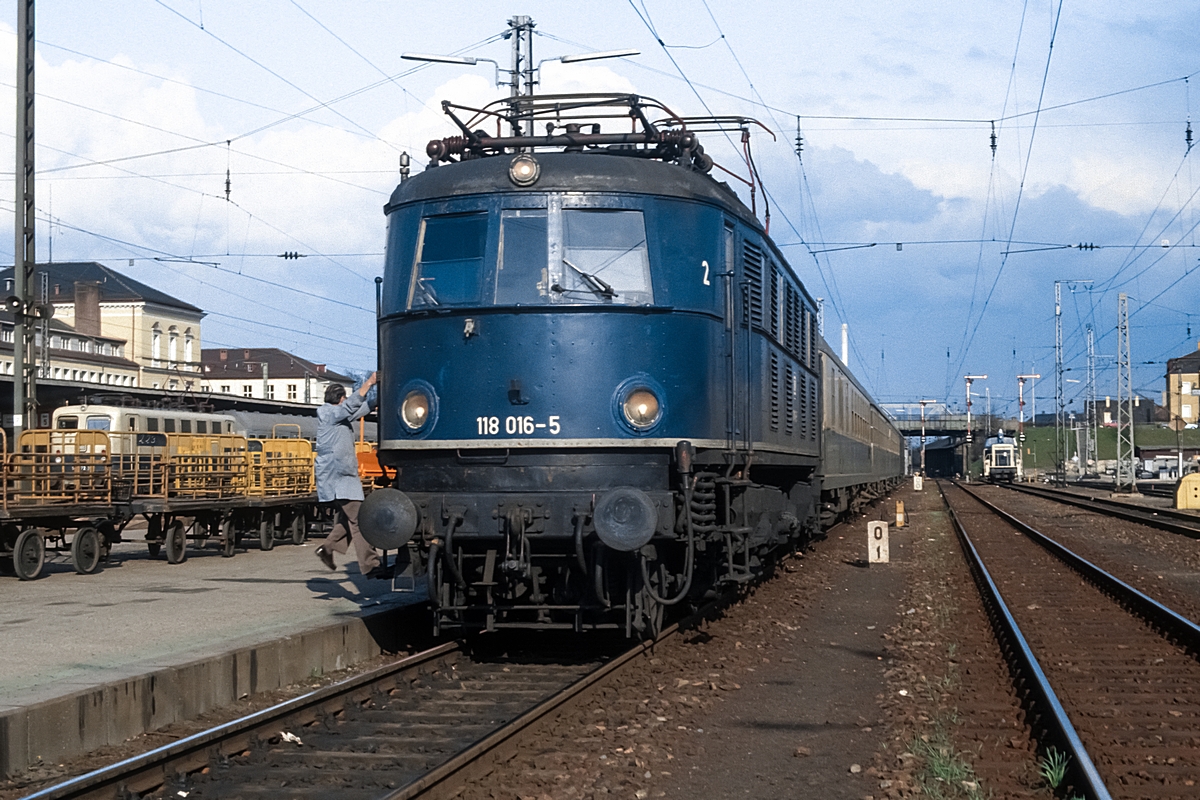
(266, 534)
(228, 538)
(86, 551)
(299, 528)
(176, 543)
(155, 548)
(29, 554)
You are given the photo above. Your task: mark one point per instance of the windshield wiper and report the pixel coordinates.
(598, 286)
(427, 292)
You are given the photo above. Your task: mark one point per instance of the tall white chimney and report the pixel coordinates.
(846, 344)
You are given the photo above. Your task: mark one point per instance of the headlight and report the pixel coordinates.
(524, 170)
(415, 409)
(642, 408)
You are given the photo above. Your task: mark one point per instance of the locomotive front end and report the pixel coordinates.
(533, 389)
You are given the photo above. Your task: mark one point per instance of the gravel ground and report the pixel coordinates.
(1163, 565)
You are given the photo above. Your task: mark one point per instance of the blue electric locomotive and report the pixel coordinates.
(600, 380)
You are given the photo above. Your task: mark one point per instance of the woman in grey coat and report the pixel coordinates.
(337, 475)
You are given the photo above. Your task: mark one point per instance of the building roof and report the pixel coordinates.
(114, 287)
(1184, 364)
(245, 362)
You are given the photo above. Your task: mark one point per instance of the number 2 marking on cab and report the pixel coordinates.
(516, 426)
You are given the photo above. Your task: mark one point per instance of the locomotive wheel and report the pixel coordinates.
(29, 554)
(86, 551)
(176, 543)
(228, 539)
(299, 528)
(266, 534)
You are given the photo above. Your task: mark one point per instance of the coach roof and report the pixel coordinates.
(570, 172)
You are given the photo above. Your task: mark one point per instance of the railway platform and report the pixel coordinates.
(94, 659)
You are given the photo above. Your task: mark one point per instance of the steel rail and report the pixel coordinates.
(441, 776)
(1058, 723)
(150, 769)
(1154, 517)
(1180, 629)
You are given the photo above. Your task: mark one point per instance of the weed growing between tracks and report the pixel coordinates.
(945, 772)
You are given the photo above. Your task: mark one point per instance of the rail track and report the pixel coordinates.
(401, 731)
(1108, 675)
(1186, 523)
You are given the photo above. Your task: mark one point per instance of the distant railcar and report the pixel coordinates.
(1001, 459)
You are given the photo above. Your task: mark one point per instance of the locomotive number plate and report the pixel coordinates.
(515, 426)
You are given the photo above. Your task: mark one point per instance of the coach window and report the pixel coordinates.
(68, 422)
(97, 423)
(449, 269)
(201, 426)
(185, 426)
(604, 258)
(152, 424)
(168, 425)
(131, 423)
(521, 274)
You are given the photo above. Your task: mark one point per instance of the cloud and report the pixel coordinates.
(852, 192)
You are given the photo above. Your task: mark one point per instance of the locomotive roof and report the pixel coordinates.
(571, 172)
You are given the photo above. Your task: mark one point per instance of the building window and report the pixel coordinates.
(291, 391)
(270, 391)
(225, 388)
(172, 346)
(155, 346)
(187, 345)
(247, 390)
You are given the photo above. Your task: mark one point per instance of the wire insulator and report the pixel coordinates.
(993, 138)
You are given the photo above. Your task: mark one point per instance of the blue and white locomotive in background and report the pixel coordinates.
(601, 383)
(1002, 458)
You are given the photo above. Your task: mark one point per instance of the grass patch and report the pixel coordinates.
(945, 773)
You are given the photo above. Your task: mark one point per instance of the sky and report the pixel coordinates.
(939, 252)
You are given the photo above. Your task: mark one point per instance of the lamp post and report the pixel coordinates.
(1021, 403)
(967, 447)
(923, 404)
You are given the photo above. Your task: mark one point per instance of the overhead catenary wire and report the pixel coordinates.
(1021, 187)
(277, 75)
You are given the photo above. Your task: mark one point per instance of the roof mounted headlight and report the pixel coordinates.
(524, 170)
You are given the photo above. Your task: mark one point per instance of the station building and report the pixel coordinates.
(100, 314)
(267, 373)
